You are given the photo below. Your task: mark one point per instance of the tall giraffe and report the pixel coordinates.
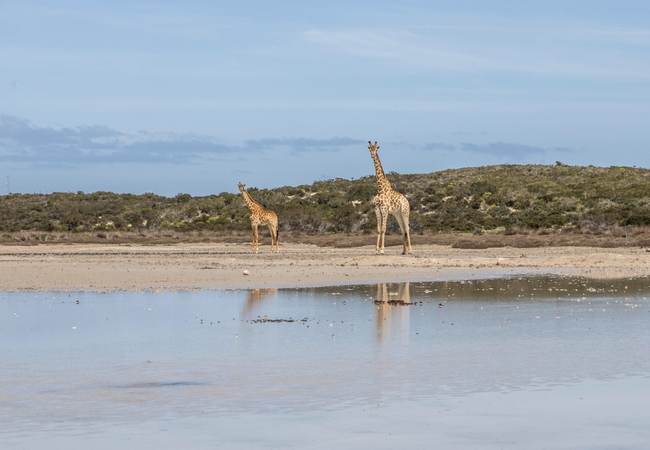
(261, 216)
(388, 202)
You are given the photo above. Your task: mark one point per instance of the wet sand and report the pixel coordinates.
(221, 266)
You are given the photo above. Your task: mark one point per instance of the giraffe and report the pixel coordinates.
(388, 202)
(261, 216)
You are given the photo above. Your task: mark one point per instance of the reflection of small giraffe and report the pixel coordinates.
(388, 202)
(261, 216)
(254, 301)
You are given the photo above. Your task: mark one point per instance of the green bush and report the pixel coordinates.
(485, 198)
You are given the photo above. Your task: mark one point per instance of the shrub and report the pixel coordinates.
(509, 196)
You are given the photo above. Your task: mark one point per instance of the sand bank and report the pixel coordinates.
(221, 266)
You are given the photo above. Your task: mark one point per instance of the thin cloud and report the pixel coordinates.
(510, 48)
(511, 150)
(399, 47)
(22, 141)
(23, 132)
(302, 145)
(439, 146)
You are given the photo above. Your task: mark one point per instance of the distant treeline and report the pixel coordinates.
(477, 199)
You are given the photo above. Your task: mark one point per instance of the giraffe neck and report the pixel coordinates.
(383, 185)
(252, 204)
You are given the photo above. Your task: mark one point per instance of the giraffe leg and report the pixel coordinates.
(255, 239)
(400, 222)
(272, 231)
(384, 218)
(407, 230)
(408, 238)
(378, 213)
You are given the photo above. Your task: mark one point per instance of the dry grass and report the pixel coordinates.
(520, 238)
(152, 237)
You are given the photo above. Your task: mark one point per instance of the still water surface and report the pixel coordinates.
(505, 363)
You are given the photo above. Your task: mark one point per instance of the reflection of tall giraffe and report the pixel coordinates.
(254, 300)
(388, 202)
(390, 316)
(261, 216)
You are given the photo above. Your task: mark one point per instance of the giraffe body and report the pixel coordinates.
(261, 216)
(388, 201)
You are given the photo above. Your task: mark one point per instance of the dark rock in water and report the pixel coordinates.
(400, 303)
(395, 303)
(274, 320)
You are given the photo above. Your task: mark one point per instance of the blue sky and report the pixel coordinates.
(193, 97)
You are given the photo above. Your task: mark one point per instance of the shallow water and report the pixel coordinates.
(541, 362)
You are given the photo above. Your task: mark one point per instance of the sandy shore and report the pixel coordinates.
(222, 266)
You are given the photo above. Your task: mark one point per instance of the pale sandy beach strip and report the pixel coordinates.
(81, 267)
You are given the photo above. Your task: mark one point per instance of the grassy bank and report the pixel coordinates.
(614, 237)
(493, 205)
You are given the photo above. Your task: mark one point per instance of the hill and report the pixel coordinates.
(504, 198)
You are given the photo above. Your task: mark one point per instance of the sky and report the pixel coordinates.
(192, 97)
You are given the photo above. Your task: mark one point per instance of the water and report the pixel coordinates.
(535, 362)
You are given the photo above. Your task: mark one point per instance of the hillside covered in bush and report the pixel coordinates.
(511, 197)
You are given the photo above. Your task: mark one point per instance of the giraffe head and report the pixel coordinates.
(373, 149)
(241, 187)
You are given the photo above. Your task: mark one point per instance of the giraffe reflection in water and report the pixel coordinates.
(254, 300)
(393, 311)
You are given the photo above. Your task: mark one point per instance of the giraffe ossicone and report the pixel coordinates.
(388, 201)
(261, 216)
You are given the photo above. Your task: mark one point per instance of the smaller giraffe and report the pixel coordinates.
(261, 216)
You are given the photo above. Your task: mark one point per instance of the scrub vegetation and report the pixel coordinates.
(469, 207)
